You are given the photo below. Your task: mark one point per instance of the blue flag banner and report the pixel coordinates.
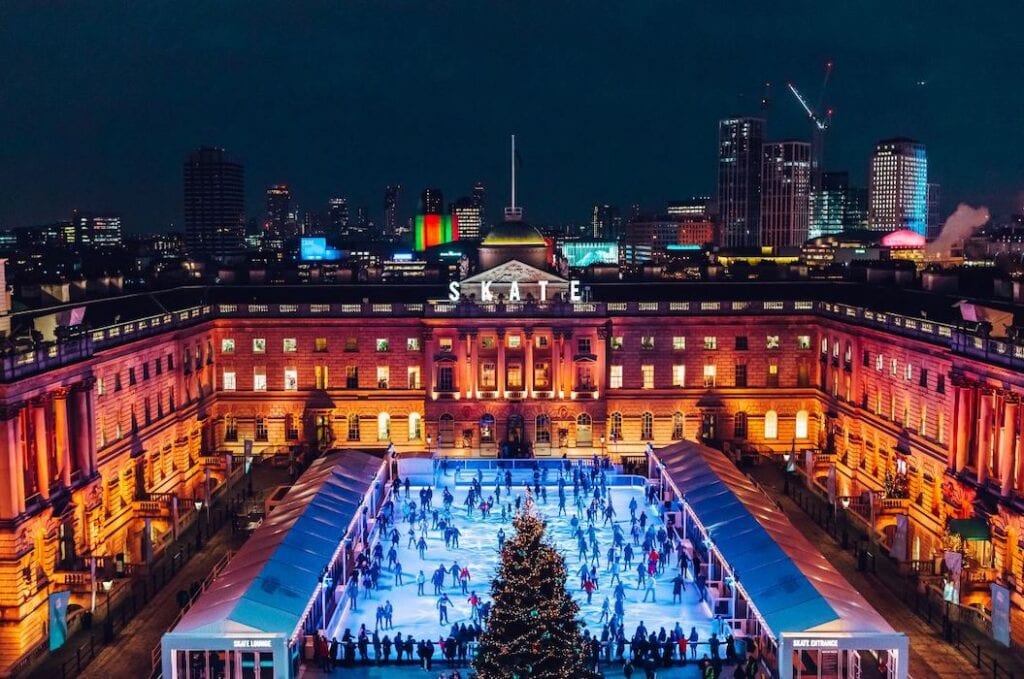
(59, 619)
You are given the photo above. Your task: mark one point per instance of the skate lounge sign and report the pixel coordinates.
(515, 282)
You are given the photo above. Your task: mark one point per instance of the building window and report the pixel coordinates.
(446, 430)
(230, 428)
(648, 376)
(487, 428)
(865, 357)
(616, 426)
(711, 343)
(879, 362)
(615, 377)
(383, 377)
(488, 376)
(413, 375)
(941, 430)
(353, 427)
(488, 342)
(290, 345)
(741, 374)
(131, 376)
(291, 379)
(923, 428)
(584, 378)
(803, 342)
(514, 341)
(771, 425)
(228, 380)
(412, 344)
(352, 377)
(647, 426)
(678, 426)
(583, 345)
(647, 342)
(320, 345)
(445, 378)
(940, 384)
(514, 375)
(117, 381)
(100, 388)
(741, 343)
(543, 433)
(710, 374)
(320, 377)
(415, 426)
(227, 346)
(542, 375)
(679, 376)
(923, 378)
(351, 344)
(802, 418)
(383, 345)
(170, 361)
(739, 426)
(616, 343)
(908, 372)
(584, 430)
(259, 345)
(541, 341)
(261, 429)
(383, 427)
(446, 345)
(678, 343)
(773, 375)
(893, 367)
(291, 427)
(159, 365)
(145, 370)
(771, 342)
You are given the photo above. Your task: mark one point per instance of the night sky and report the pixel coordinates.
(101, 101)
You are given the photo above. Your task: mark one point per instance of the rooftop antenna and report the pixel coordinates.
(513, 213)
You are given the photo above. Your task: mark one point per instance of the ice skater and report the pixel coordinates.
(442, 609)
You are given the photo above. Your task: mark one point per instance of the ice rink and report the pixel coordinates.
(478, 550)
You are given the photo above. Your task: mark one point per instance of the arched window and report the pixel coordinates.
(415, 426)
(487, 428)
(353, 427)
(647, 426)
(771, 425)
(801, 424)
(615, 428)
(383, 427)
(678, 426)
(739, 426)
(543, 433)
(446, 430)
(584, 430)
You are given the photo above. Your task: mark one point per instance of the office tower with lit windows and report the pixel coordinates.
(479, 197)
(391, 226)
(605, 222)
(214, 204)
(89, 229)
(431, 202)
(739, 180)
(337, 216)
(467, 214)
(785, 188)
(934, 210)
(898, 189)
(828, 205)
(280, 221)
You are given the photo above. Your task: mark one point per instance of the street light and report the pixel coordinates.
(199, 525)
(108, 623)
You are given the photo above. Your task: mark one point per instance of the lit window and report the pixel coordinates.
(541, 341)
(616, 426)
(772, 342)
(710, 374)
(616, 343)
(383, 427)
(320, 377)
(227, 346)
(801, 424)
(383, 376)
(879, 362)
(771, 425)
(383, 344)
(710, 343)
(678, 343)
(259, 379)
(679, 376)
(514, 341)
(320, 344)
(413, 344)
(647, 342)
(228, 380)
(290, 345)
(259, 345)
(647, 426)
(445, 344)
(893, 367)
(487, 342)
(415, 426)
(413, 377)
(615, 378)
(803, 342)
(291, 379)
(648, 376)
(908, 371)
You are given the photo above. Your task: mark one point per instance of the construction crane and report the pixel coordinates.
(820, 125)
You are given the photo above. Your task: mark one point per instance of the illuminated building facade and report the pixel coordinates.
(898, 194)
(94, 230)
(739, 180)
(467, 213)
(110, 435)
(827, 205)
(280, 218)
(785, 187)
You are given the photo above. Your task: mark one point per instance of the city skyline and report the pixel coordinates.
(344, 131)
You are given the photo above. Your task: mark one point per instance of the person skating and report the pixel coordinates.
(421, 580)
(442, 609)
(385, 644)
(693, 642)
(678, 586)
(421, 547)
(650, 588)
(501, 539)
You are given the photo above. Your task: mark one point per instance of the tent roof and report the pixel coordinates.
(268, 584)
(790, 583)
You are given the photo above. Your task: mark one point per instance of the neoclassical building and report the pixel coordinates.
(110, 433)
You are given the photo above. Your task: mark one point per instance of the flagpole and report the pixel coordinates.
(513, 172)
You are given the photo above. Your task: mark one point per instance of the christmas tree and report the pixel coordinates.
(532, 630)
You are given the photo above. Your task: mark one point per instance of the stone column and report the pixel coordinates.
(42, 441)
(528, 362)
(474, 362)
(963, 426)
(429, 379)
(1007, 438)
(601, 368)
(556, 362)
(63, 436)
(501, 362)
(462, 367)
(984, 435)
(12, 491)
(84, 441)
(954, 447)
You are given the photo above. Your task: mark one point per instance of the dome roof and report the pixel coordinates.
(514, 233)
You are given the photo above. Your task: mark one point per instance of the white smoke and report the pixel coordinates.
(960, 225)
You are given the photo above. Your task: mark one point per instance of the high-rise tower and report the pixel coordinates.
(739, 180)
(214, 204)
(785, 186)
(898, 190)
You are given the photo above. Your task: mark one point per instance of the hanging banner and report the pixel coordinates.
(59, 618)
(1000, 614)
